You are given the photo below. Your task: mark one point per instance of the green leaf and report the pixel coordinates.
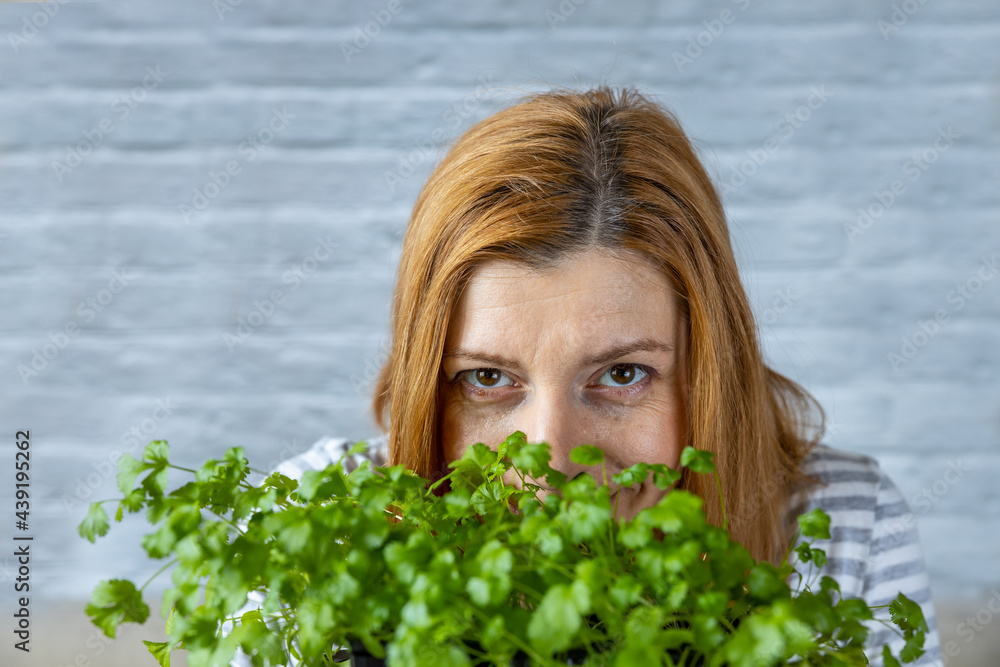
(482, 455)
(829, 583)
(357, 448)
(815, 524)
(887, 659)
(132, 502)
(495, 557)
(156, 452)
(586, 455)
(309, 483)
(169, 625)
(416, 615)
(634, 474)
(853, 608)
(155, 483)
(254, 636)
(282, 484)
(713, 603)
(764, 581)
(677, 595)
(907, 614)
(95, 524)
(314, 617)
(184, 597)
(554, 624)
(207, 471)
(160, 651)
(588, 521)
(457, 503)
(770, 641)
(698, 460)
(664, 477)
(912, 649)
(625, 591)
(128, 470)
(114, 602)
(532, 459)
(676, 511)
(646, 641)
(294, 535)
(479, 590)
(236, 456)
(636, 534)
(758, 641)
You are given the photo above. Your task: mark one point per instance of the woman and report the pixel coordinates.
(567, 272)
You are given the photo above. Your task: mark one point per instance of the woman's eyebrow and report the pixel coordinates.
(624, 349)
(640, 345)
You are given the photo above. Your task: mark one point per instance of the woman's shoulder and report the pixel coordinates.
(864, 504)
(834, 464)
(851, 484)
(874, 549)
(847, 480)
(329, 450)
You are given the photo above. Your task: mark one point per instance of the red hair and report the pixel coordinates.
(566, 171)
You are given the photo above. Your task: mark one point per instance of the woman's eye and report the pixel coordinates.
(486, 378)
(623, 375)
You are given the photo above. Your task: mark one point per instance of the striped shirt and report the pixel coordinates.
(873, 552)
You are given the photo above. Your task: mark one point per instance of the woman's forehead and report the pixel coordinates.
(594, 265)
(590, 271)
(591, 299)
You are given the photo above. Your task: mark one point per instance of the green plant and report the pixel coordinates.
(482, 574)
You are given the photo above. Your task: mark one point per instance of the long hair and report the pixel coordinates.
(563, 172)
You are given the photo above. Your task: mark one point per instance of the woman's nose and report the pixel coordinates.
(554, 420)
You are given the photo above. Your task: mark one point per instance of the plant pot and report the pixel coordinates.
(360, 657)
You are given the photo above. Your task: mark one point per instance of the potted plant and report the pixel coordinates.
(380, 566)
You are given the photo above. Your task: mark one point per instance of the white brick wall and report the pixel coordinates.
(832, 307)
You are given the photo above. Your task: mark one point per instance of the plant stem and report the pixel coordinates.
(228, 521)
(158, 573)
(514, 639)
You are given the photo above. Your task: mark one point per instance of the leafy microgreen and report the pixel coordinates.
(481, 571)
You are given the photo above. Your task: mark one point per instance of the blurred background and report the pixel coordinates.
(202, 206)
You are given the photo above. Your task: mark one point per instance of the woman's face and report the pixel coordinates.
(592, 352)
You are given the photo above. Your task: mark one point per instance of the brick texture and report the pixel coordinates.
(169, 174)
